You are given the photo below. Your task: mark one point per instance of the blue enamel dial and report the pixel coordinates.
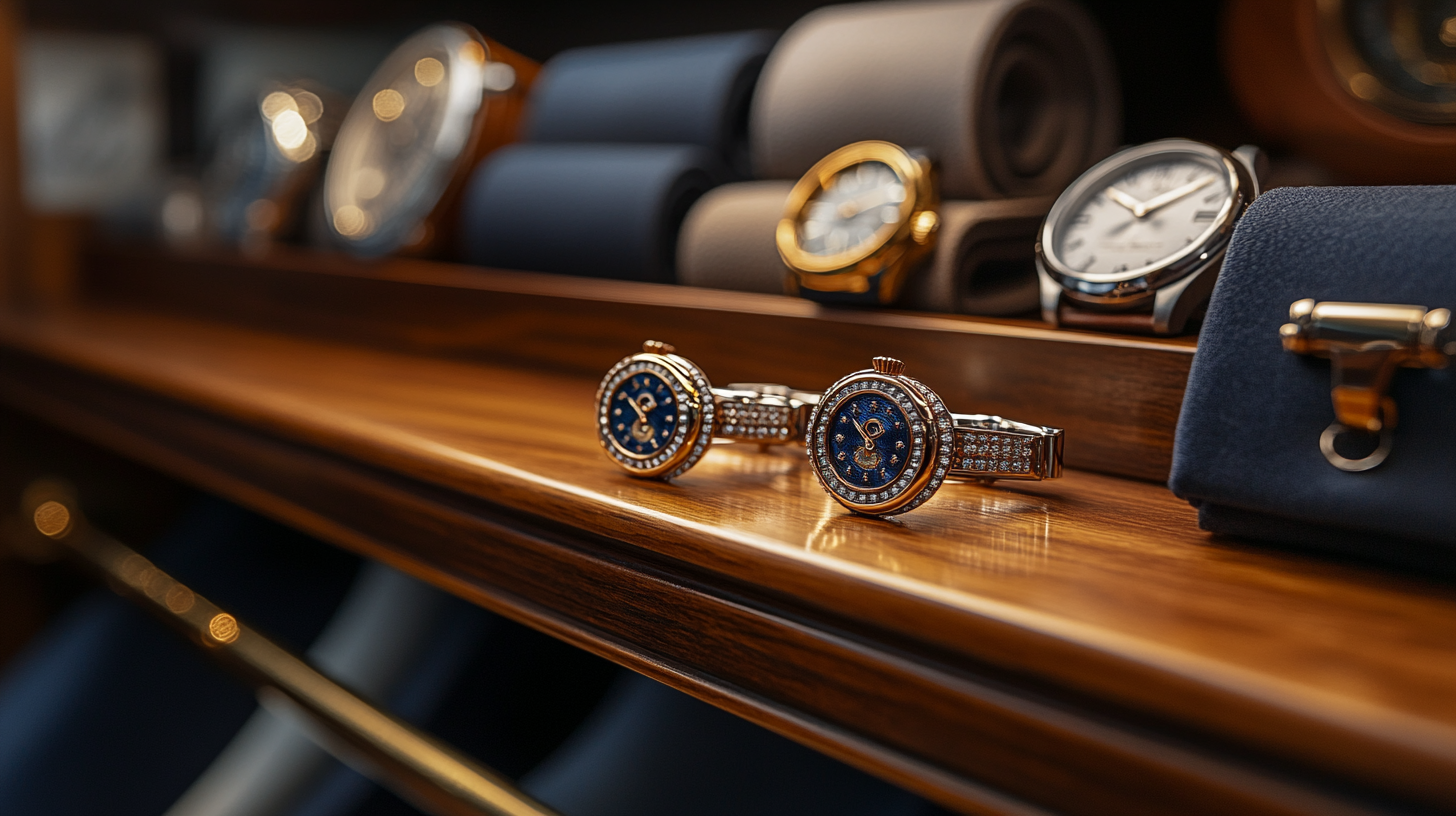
(643, 414)
(869, 440)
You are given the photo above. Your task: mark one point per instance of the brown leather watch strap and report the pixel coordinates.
(1138, 322)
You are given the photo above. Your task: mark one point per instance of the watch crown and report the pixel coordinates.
(658, 347)
(888, 365)
(925, 225)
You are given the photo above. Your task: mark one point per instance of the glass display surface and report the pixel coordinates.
(643, 414)
(1143, 216)
(859, 209)
(869, 440)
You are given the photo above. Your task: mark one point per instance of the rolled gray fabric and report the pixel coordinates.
(985, 261)
(727, 239)
(1011, 97)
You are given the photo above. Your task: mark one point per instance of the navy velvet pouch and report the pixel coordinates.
(1247, 451)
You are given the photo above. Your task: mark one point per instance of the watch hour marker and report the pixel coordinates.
(1205, 215)
(1212, 197)
(839, 456)
(1074, 245)
(616, 412)
(1082, 219)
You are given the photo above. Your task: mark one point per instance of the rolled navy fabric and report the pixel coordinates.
(597, 210)
(1247, 450)
(1011, 97)
(690, 90)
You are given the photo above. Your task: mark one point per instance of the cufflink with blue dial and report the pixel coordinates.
(657, 413)
(882, 443)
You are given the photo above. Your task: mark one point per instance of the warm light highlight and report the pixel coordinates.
(388, 105)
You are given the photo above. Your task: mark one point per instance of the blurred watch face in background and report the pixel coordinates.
(266, 163)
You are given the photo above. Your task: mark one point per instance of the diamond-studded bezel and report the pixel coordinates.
(695, 417)
(929, 434)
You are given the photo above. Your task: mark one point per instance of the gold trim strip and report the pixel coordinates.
(428, 773)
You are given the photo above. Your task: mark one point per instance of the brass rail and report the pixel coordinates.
(421, 769)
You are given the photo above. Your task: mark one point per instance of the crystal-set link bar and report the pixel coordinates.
(756, 412)
(989, 447)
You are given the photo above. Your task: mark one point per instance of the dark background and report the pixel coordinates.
(1167, 53)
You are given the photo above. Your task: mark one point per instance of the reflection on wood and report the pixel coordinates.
(1116, 396)
(1077, 643)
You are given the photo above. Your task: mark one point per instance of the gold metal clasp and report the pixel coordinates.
(1365, 342)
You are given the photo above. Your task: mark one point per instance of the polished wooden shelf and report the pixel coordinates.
(1117, 396)
(1075, 645)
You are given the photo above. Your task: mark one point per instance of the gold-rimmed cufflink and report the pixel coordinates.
(657, 413)
(882, 443)
(1365, 343)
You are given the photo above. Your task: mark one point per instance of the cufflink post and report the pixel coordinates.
(1365, 343)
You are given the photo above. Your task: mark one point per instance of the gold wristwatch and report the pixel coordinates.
(858, 222)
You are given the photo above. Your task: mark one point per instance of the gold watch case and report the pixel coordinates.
(687, 417)
(883, 260)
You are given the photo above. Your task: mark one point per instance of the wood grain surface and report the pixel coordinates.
(1075, 645)
(1117, 396)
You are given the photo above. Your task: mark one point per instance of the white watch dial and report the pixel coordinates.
(1142, 216)
(860, 206)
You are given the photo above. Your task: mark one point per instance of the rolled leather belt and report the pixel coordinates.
(598, 210)
(983, 263)
(1011, 97)
(690, 90)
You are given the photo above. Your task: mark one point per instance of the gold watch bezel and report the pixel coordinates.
(851, 270)
(690, 384)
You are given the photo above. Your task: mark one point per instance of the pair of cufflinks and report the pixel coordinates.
(880, 442)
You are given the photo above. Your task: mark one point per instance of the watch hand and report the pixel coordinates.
(1172, 195)
(855, 206)
(1125, 200)
(869, 441)
(642, 409)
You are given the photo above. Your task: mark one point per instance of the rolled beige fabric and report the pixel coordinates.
(983, 263)
(1011, 97)
(727, 240)
(985, 260)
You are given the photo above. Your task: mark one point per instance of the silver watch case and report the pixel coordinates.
(1173, 289)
